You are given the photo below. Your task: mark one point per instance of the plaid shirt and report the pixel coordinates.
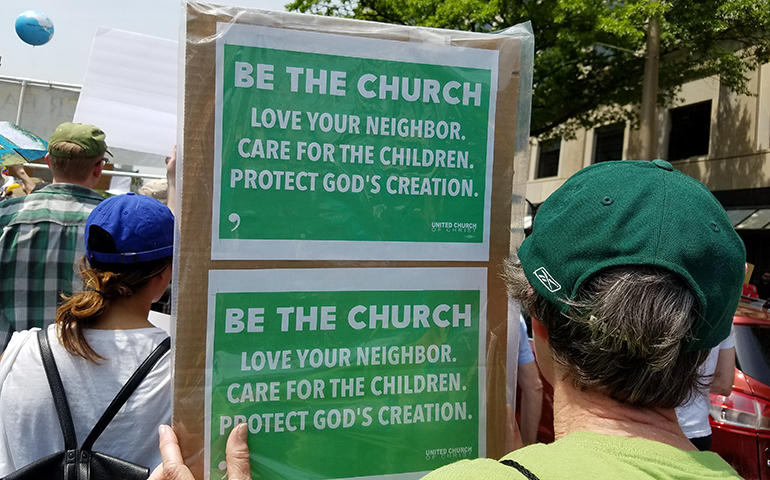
(41, 243)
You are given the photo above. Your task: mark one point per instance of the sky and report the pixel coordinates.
(64, 59)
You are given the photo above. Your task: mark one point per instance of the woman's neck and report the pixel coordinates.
(125, 313)
(576, 410)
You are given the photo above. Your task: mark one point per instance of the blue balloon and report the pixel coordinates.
(34, 28)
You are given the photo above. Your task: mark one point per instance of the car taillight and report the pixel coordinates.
(741, 410)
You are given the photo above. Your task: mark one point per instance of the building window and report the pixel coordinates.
(690, 127)
(608, 142)
(548, 158)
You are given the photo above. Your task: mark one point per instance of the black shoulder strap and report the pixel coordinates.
(57, 391)
(523, 470)
(126, 391)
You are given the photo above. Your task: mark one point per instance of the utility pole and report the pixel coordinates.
(648, 128)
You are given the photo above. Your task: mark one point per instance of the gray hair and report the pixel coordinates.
(623, 336)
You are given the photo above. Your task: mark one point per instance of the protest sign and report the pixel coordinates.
(381, 370)
(130, 91)
(374, 149)
(336, 270)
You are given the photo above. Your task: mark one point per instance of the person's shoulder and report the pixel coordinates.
(70, 189)
(587, 455)
(11, 207)
(480, 468)
(39, 186)
(31, 201)
(136, 343)
(8, 204)
(20, 342)
(21, 337)
(63, 204)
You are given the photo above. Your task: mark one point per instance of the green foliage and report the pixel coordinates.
(589, 54)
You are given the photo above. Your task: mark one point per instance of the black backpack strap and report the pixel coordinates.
(522, 469)
(57, 391)
(126, 391)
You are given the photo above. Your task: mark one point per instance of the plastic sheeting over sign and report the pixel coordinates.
(377, 149)
(345, 202)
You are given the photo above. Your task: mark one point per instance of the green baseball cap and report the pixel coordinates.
(638, 213)
(89, 137)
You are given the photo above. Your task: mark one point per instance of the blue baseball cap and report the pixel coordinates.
(141, 227)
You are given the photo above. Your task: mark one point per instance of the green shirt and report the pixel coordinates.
(592, 456)
(42, 240)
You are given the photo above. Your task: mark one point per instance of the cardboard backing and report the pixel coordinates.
(194, 211)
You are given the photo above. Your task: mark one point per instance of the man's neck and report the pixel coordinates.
(585, 411)
(56, 181)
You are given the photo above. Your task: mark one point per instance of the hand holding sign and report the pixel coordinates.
(173, 467)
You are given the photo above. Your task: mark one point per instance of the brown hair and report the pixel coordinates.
(102, 283)
(75, 168)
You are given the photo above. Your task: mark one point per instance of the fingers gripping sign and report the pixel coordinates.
(237, 454)
(173, 467)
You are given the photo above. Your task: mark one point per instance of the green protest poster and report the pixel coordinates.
(347, 373)
(334, 148)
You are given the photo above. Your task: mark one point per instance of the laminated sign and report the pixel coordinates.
(344, 205)
(347, 373)
(338, 149)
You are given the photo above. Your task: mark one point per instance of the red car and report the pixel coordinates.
(740, 423)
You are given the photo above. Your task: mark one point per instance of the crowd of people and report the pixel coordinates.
(630, 279)
(121, 250)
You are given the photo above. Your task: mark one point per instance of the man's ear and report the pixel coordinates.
(543, 350)
(98, 169)
(47, 161)
(539, 330)
(96, 174)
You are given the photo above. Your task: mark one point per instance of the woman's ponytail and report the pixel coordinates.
(81, 311)
(100, 287)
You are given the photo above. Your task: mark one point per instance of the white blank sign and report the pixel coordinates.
(130, 91)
